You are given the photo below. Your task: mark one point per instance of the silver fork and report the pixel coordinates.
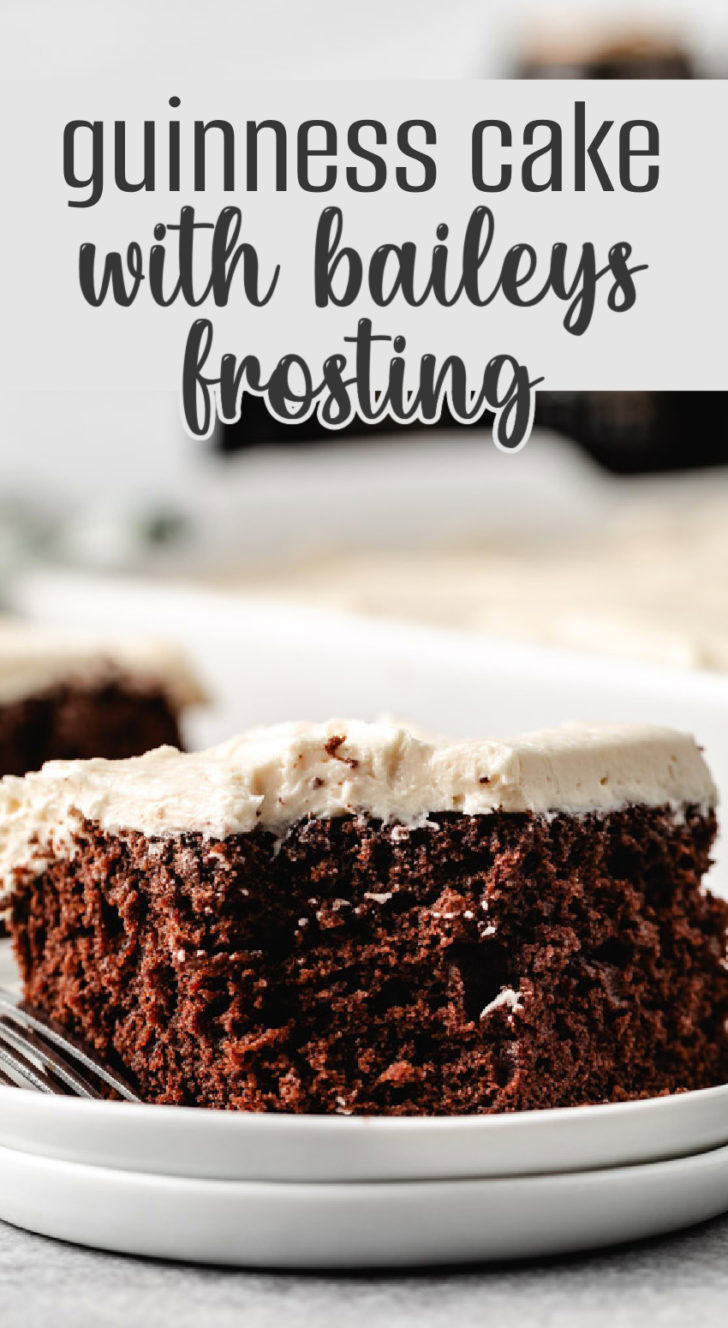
(35, 1052)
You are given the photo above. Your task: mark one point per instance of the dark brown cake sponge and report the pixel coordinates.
(477, 964)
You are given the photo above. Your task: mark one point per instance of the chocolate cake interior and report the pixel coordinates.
(478, 963)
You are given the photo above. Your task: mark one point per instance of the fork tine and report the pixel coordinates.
(33, 1045)
(33, 1076)
(60, 1050)
(71, 1050)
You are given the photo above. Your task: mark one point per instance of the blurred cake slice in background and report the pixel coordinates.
(69, 694)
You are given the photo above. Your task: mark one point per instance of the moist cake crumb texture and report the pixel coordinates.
(487, 964)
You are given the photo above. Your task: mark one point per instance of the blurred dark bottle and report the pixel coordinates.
(635, 53)
(626, 432)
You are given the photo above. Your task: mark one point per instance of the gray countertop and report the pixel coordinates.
(682, 1280)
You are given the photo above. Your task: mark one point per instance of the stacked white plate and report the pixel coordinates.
(297, 1192)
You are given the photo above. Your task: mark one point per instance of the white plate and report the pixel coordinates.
(338, 1226)
(237, 1146)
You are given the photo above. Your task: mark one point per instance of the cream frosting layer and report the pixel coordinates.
(34, 659)
(274, 776)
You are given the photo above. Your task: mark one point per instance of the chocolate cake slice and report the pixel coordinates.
(66, 694)
(347, 918)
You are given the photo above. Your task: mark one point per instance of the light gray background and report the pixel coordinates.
(666, 1284)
